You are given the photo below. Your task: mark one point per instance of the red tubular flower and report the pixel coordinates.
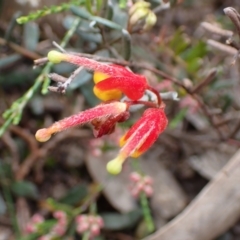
(140, 137)
(110, 113)
(132, 85)
(116, 80)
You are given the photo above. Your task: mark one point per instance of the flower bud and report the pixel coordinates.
(150, 21)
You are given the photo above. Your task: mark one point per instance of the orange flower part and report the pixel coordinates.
(140, 137)
(114, 81)
(97, 116)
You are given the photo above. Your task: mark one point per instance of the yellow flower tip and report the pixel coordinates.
(55, 56)
(114, 167)
(98, 77)
(122, 140)
(42, 135)
(136, 154)
(108, 94)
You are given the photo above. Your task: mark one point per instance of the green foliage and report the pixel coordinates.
(116, 221)
(47, 11)
(75, 195)
(25, 189)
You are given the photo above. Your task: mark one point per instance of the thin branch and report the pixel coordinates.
(21, 50)
(222, 47)
(210, 77)
(234, 16)
(216, 30)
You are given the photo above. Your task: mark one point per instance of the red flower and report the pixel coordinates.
(103, 117)
(140, 137)
(115, 81)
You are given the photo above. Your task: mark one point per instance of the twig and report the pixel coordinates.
(222, 47)
(216, 30)
(234, 16)
(57, 78)
(13, 115)
(23, 51)
(62, 87)
(234, 131)
(210, 77)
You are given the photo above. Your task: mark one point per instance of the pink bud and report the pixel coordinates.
(148, 190)
(45, 237)
(140, 186)
(81, 218)
(37, 218)
(30, 228)
(59, 215)
(135, 193)
(96, 152)
(59, 230)
(91, 219)
(83, 227)
(99, 221)
(95, 230)
(148, 180)
(135, 177)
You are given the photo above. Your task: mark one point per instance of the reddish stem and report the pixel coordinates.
(146, 103)
(159, 99)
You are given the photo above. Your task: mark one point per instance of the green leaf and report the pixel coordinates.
(126, 44)
(88, 5)
(99, 5)
(123, 4)
(9, 60)
(25, 189)
(80, 12)
(31, 36)
(178, 43)
(82, 78)
(199, 50)
(116, 221)
(32, 236)
(106, 22)
(3, 206)
(75, 195)
(54, 206)
(5, 171)
(109, 12)
(88, 94)
(46, 226)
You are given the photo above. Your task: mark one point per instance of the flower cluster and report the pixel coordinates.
(140, 184)
(32, 225)
(58, 230)
(89, 224)
(111, 83)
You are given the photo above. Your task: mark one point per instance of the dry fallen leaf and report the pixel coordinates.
(115, 187)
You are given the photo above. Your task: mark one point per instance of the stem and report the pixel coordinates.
(146, 212)
(144, 202)
(86, 236)
(63, 44)
(18, 106)
(10, 205)
(159, 99)
(146, 103)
